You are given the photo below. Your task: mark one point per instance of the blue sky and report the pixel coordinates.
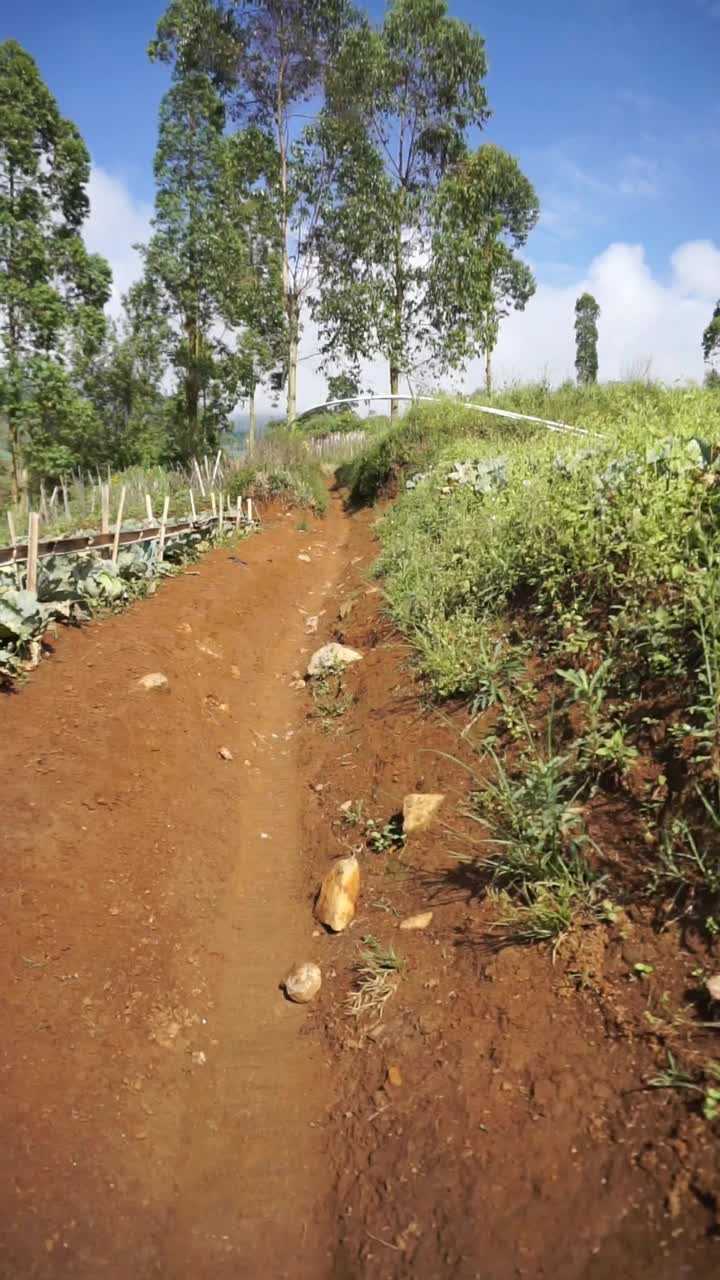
(611, 106)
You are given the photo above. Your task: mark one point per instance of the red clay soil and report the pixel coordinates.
(166, 1113)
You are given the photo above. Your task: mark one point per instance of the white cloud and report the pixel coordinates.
(647, 321)
(696, 267)
(117, 221)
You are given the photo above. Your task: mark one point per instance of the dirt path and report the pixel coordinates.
(166, 1115)
(160, 1107)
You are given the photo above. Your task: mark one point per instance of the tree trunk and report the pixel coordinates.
(192, 391)
(251, 423)
(394, 391)
(293, 344)
(488, 371)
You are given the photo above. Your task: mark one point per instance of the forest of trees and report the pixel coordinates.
(309, 165)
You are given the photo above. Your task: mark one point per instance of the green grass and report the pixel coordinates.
(599, 556)
(281, 466)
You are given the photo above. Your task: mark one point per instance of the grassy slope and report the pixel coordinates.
(579, 607)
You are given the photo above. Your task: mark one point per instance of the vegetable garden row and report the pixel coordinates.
(71, 578)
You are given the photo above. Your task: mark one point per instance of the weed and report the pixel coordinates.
(537, 843)
(377, 972)
(382, 836)
(352, 813)
(675, 1077)
(331, 699)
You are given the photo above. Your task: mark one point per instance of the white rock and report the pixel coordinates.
(419, 810)
(339, 893)
(712, 986)
(225, 754)
(156, 680)
(303, 983)
(311, 625)
(420, 921)
(331, 656)
(304, 557)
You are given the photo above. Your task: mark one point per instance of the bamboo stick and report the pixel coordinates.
(192, 505)
(118, 526)
(105, 501)
(163, 522)
(32, 557)
(148, 507)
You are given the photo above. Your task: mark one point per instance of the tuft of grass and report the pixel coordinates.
(330, 697)
(534, 846)
(377, 971)
(674, 1076)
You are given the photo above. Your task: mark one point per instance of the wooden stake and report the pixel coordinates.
(222, 510)
(32, 553)
(118, 526)
(43, 502)
(148, 508)
(65, 500)
(11, 527)
(213, 504)
(238, 513)
(163, 522)
(200, 477)
(250, 510)
(217, 466)
(192, 506)
(105, 507)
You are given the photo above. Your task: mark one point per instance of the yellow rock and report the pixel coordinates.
(338, 895)
(394, 1077)
(420, 921)
(419, 810)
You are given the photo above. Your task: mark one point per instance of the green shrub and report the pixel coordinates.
(280, 467)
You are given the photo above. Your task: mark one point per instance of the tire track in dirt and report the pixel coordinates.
(161, 1110)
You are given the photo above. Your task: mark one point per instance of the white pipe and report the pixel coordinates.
(463, 404)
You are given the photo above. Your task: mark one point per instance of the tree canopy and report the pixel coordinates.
(587, 312)
(711, 343)
(52, 291)
(401, 100)
(486, 210)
